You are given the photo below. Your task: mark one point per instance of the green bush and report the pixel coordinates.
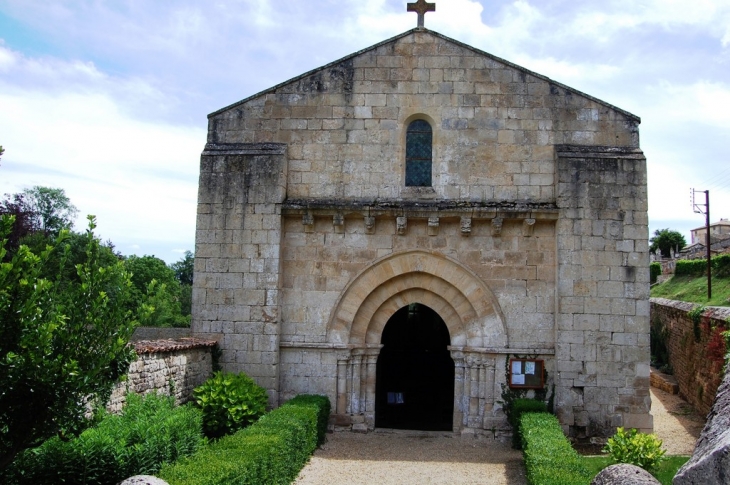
(640, 449)
(149, 432)
(698, 267)
(655, 270)
(272, 450)
(322, 405)
(229, 402)
(721, 266)
(517, 408)
(549, 457)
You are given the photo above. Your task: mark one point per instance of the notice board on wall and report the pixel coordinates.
(526, 374)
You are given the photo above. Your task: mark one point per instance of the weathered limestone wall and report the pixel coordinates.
(319, 264)
(237, 257)
(163, 366)
(494, 124)
(603, 290)
(698, 370)
(303, 201)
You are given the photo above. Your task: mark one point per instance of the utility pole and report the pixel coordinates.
(698, 209)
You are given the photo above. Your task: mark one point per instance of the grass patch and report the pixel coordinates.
(694, 290)
(664, 472)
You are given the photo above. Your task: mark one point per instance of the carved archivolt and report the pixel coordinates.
(467, 306)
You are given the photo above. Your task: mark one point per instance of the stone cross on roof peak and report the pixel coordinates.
(421, 7)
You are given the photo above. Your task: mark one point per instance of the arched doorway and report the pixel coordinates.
(414, 386)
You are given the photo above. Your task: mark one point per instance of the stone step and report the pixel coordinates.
(663, 381)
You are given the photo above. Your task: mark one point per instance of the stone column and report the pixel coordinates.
(482, 391)
(356, 380)
(370, 381)
(342, 359)
(460, 404)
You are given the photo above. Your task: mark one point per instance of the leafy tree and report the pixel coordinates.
(51, 208)
(184, 274)
(161, 308)
(24, 220)
(61, 341)
(75, 245)
(184, 268)
(2, 150)
(155, 292)
(665, 240)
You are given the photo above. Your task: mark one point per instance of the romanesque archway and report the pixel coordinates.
(470, 313)
(414, 386)
(468, 307)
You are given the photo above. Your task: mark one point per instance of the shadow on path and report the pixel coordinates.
(403, 457)
(676, 423)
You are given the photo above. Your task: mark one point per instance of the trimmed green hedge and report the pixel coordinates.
(149, 432)
(549, 457)
(655, 270)
(272, 450)
(691, 267)
(519, 407)
(698, 267)
(721, 265)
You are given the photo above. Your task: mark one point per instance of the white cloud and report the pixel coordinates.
(98, 112)
(138, 177)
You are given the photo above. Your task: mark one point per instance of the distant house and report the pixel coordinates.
(719, 241)
(718, 230)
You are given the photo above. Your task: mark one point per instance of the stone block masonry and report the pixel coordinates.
(237, 257)
(602, 348)
(531, 238)
(697, 368)
(169, 367)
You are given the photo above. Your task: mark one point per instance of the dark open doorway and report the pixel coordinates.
(414, 387)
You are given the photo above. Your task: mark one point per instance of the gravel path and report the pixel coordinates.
(419, 457)
(404, 457)
(675, 422)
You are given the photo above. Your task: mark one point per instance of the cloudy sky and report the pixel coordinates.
(108, 99)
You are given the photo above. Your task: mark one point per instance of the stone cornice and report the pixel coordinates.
(422, 208)
(244, 149)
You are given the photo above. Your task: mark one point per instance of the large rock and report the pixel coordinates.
(144, 480)
(624, 474)
(710, 462)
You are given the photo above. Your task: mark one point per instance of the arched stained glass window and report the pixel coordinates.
(419, 141)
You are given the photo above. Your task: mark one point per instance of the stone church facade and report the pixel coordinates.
(392, 228)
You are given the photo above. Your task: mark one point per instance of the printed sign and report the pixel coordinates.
(526, 374)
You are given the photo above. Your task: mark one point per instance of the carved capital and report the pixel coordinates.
(338, 221)
(466, 226)
(433, 226)
(528, 227)
(497, 226)
(401, 224)
(308, 222)
(369, 224)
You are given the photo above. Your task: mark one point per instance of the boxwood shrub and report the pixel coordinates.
(149, 432)
(655, 270)
(698, 267)
(517, 408)
(549, 457)
(691, 267)
(272, 450)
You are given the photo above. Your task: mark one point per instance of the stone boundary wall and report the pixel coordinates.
(696, 368)
(162, 366)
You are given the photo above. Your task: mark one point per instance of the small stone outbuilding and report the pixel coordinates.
(393, 228)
